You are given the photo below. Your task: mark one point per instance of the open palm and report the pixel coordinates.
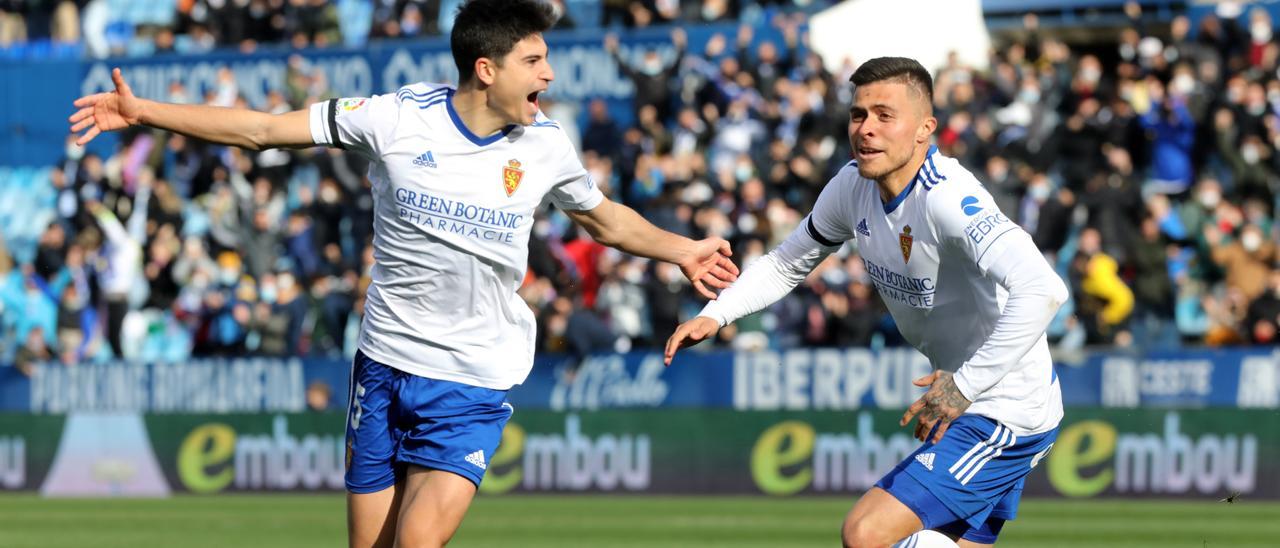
(107, 111)
(709, 265)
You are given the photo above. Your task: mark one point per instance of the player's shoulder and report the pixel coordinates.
(541, 121)
(423, 95)
(844, 190)
(546, 136)
(947, 183)
(846, 180)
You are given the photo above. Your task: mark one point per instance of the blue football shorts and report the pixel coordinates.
(970, 482)
(397, 419)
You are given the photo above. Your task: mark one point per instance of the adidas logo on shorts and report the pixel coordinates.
(477, 459)
(926, 459)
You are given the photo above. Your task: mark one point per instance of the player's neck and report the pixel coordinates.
(472, 106)
(893, 183)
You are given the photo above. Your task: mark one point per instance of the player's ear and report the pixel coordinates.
(486, 70)
(926, 129)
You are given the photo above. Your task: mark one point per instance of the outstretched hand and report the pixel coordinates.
(939, 406)
(107, 111)
(690, 333)
(708, 265)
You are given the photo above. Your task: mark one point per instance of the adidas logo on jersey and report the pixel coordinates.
(926, 459)
(426, 160)
(862, 228)
(477, 459)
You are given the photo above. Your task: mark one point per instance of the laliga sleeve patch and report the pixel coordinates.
(350, 104)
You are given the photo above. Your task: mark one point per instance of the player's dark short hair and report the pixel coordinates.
(491, 28)
(900, 69)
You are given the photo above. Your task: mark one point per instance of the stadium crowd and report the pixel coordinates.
(1146, 170)
(145, 27)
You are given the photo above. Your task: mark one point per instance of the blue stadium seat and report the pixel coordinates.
(140, 47)
(585, 13)
(119, 32)
(26, 208)
(355, 18)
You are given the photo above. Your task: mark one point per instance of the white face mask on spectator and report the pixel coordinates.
(1250, 153)
(1209, 198)
(1039, 193)
(1260, 31)
(1183, 84)
(268, 293)
(228, 276)
(633, 275)
(1251, 241)
(74, 152)
(1029, 96)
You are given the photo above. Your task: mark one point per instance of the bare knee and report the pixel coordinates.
(421, 537)
(863, 533)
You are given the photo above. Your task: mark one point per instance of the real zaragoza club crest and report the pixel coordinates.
(904, 240)
(511, 176)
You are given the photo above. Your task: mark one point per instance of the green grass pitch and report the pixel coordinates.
(602, 521)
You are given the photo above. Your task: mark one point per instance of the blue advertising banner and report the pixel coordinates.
(38, 93)
(792, 380)
(215, 385)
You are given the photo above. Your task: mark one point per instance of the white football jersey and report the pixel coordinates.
(453, 212)
(928, 252)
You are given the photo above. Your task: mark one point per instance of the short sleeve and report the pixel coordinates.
(966, 219)
(573, 189)
(828, 223)
(359, 124)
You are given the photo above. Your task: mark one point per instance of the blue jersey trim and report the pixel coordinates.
(937, 174)
(433, 103)
(462, 128)
(921, 175)
(901, 197)
(428, 94)
(433, 94)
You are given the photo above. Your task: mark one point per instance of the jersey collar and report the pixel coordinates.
(902, 196)
(466, 132)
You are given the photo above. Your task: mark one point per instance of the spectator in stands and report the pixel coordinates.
(121, 252)
(1103, 300)
(1174, 135)
(1153, 289)
(13, 22)
(1246, 260)
(653, 77)
(34, 351)
(1263, 320)
(319, 396)
(601, 134)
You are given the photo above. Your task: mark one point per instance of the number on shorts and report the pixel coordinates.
(356, 411)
